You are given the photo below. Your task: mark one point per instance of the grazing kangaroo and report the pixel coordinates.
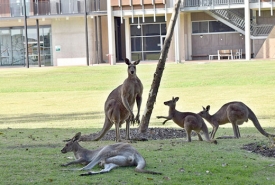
(120, 102)
(233, 112)
(187, 120)
(110, 156)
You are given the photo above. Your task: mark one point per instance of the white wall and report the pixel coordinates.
(70, 36)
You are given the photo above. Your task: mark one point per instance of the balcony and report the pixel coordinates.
(211, 4)
(60, 7)
(224, 4)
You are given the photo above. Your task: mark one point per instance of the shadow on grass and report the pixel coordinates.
(35, 146)
(33, 118)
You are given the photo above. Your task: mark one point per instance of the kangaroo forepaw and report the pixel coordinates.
(132, 122)
(137, 121)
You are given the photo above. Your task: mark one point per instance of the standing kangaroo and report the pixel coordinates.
(233, 112)
(110, 156)
(120, 102)
(187, 120)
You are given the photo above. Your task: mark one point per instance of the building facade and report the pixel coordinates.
(87, 32)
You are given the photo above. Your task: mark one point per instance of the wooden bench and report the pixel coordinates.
(225, 53)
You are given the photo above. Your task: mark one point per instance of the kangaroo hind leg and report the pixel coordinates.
(236, 130)
(199, 136)
(107, 168)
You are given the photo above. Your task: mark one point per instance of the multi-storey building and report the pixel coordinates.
(84, 32)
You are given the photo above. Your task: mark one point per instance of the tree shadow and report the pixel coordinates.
(41, 117)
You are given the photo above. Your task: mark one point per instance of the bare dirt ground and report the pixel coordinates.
(260, 149)
(170, 133)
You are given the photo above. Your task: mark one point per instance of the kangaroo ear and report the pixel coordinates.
(177, 98)
(207, 107)
(127, 61)
(203, 108)
(136, 62)
(76, 137)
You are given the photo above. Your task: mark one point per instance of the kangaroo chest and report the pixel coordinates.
(131, 88)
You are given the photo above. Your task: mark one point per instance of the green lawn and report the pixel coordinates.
(42, 106)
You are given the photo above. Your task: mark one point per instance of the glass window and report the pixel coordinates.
(163, 29)
(135, 31)
(18, 48)
(46, 47)
(5, 47)
(136, 43)
(195, 27)
(12, 45)
(151, 29)
(151, 43)
(217, 26)
(200, 27)
(146, 41)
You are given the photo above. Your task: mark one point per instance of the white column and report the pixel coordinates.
(247, 30)
(189, 36)
(128, 38)
(111, 34)
(177, 40)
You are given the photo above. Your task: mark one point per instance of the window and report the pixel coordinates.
(210, 27)
(200, 27)
(146, 37)
(151, 29)
(12, 45)
(216, 26)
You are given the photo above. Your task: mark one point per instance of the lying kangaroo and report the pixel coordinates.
(233, 112)
(110, 156)
(187, 120)
(120, 102)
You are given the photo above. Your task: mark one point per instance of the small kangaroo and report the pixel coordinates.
(233, 112)
(110, 156)
(120, 102)
(187, 120)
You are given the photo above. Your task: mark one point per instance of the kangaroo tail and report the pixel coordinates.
(256, 123)
(106, 127)
(141, 163)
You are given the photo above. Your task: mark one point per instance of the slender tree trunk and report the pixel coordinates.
(159, 70)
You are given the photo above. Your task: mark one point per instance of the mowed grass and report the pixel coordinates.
(42, 106)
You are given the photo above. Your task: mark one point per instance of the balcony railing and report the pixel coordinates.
(207, 3)
(51, 8)
(200, 3)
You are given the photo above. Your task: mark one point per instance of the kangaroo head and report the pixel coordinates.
(171, 102)
(69, 147)
(131, 66)
(205, 111)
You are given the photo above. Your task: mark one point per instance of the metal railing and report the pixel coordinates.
(207, 3)
(261, 29)
(51, 7)
(257, 1)
(201, 3)
(238, 21)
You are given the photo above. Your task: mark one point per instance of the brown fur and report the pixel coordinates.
(235, 113)
(187, 120)
(110, 156)
(120, 102)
